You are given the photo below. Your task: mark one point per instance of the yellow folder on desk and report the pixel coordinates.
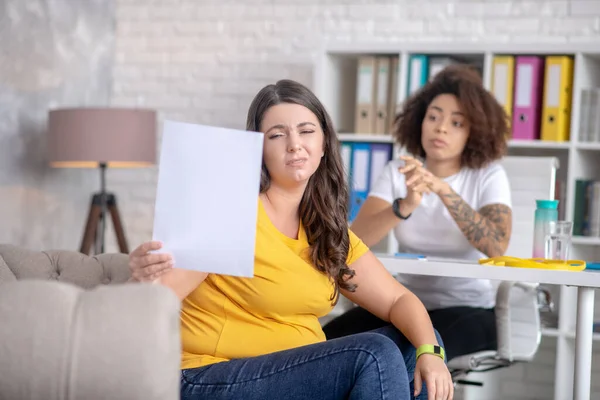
(503, 72)
(558, 93)
(537, 263)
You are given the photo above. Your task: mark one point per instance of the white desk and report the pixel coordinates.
(585, 281)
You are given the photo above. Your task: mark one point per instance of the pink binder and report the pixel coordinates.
(527, 102)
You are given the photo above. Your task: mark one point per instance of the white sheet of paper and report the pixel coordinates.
(207, 197)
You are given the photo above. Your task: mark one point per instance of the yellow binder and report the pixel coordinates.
(503, 72)
(558, 93)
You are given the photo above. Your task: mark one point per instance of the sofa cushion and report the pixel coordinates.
(58, 341)
(65, 266)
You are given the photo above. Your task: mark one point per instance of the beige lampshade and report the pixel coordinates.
(86, 137)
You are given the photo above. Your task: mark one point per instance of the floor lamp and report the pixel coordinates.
(102, 138)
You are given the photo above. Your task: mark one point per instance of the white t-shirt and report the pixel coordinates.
(431, 231)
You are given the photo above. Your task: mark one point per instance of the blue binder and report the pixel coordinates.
(359, 177)
(346, 153)
(381, 154)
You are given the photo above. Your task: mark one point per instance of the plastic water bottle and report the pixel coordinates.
(547, 210)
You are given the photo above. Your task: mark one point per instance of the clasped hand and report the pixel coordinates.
(419, 181)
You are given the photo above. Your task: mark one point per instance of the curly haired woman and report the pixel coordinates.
(452, 199)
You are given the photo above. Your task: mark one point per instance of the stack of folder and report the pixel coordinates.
(589, 115)
(376, 94)
(378, 87)
(586, 218)
(536, 93)
(423, 68)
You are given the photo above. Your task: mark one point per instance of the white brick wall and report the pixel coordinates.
(202, 61)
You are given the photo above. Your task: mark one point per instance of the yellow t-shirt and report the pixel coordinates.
(229, 317)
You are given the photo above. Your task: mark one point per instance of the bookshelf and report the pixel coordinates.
(335, 83)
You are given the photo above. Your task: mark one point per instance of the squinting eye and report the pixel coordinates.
(307, 132)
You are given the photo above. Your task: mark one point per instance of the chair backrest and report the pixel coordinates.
(518, 321)
(531, 179)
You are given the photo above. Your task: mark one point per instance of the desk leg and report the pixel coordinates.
(583, 343)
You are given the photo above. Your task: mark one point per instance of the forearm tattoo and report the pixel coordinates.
(487, 230)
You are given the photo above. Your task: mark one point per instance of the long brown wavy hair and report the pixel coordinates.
(324, 205)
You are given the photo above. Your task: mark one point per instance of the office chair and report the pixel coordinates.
(518, 304)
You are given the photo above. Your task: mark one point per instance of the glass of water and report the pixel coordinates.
(558, 240)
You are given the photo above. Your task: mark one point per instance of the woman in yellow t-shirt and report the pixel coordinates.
(260, 337)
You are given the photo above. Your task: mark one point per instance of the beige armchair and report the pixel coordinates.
(73, 329)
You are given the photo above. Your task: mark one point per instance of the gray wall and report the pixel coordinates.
(53, 53)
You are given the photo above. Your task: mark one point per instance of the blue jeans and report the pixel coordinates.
(366, 366)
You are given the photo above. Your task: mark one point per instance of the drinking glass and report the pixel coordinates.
(558, 240)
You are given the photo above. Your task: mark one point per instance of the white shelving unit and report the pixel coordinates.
(335, 85)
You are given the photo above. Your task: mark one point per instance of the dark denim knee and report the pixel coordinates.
(383, 350)
(381, 372)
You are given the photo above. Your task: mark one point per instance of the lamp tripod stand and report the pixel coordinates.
(95, 226)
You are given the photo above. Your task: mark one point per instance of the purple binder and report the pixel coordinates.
(528, 90)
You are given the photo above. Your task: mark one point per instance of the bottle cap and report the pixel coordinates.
(548, 204)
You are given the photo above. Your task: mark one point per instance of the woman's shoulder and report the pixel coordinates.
(357, 247)
(489, 170)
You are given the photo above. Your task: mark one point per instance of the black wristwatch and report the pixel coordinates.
(396, 209)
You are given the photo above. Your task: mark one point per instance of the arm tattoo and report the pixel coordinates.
(487, 230)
